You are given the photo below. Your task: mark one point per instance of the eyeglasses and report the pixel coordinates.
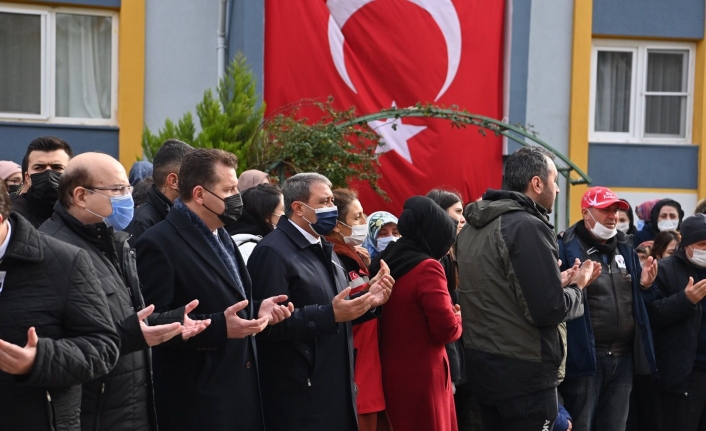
(117, 190)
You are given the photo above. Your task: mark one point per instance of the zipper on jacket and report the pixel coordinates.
(617, 308)
(308, 381)
(99, 409)
(50, 412)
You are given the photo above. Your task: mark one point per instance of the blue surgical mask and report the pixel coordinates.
(385, 241)
(123, 210)
(326, 219)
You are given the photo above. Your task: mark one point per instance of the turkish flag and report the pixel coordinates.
(375, 54)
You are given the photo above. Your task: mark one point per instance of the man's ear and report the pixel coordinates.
(79, 197)
(173, 181)
(536, 184)
(28, 180)
(297, 208)
(197, 195)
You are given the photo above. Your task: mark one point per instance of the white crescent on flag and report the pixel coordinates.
(442, 11)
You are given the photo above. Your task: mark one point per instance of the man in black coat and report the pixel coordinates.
(55, 333)
(306, 363)
(209, 383)
(160, 198)
(45, 160)
(675, 306)
(94, 205)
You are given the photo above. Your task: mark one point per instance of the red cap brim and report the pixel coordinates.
(621, 204)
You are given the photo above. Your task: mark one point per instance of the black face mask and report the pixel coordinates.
(13, 189)
(45, 186)
(233, 209)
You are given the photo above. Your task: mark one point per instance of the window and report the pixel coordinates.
(641, 92)
(58, 65)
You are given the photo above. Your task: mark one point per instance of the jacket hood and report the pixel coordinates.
(242, 238)
(498, 202)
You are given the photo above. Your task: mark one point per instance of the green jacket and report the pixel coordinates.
(511, 297)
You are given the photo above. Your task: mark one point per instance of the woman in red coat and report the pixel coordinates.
(418, 321)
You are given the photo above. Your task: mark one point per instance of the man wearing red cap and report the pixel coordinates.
(612, 339)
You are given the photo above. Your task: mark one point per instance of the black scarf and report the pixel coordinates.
(588, 239)
(427, 233)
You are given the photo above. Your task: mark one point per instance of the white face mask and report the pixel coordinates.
(385, 241)
(358, 235)
(666, 225)
(602, 232)
(698, 258)
(623, 227)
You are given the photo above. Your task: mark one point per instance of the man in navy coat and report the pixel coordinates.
(306, 363)
(209, 382)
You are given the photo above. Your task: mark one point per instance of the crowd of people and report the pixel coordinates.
(185, 297)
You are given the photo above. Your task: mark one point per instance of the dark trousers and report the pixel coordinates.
(600, 402)
(533, 412)
(645, 405)
(467, 410)
(687, 411)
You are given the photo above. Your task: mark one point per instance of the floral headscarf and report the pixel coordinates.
(376, 221)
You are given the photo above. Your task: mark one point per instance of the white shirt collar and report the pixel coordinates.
(309, 237)
(3, 246)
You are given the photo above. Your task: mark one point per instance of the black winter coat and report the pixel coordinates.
(36, 212)
(152, 211)
(675, 322)
(123, 399)
(306, 362)
(52, 287)
(209, 382)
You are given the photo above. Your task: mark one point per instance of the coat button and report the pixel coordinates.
(248, 365)
(311, 324)
(686, 394)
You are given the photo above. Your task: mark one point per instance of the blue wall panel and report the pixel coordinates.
(92, 3)
(649, 18)
(14, 138)
(519, 68)
(644, 166)
(247, 35)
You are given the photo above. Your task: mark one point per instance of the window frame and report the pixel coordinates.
(48, 65)
(640, 50)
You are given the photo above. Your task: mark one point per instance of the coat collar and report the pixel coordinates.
(160, 202)
(297, 238)
(194, 239)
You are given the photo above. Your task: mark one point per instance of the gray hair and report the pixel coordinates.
(298, 188)
(525, 164)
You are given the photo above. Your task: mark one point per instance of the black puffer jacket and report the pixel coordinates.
(123, 399)
(36, 212)
(52, 287)
(152, 211)
(675, 322)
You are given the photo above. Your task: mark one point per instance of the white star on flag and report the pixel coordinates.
(395, 140)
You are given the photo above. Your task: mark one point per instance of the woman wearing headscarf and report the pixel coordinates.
(349, 233)
(419, 321)
(382, 230)
(251, 178)
(665, 215)
(626, 221)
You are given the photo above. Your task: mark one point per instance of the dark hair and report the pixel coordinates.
(632, 229)
(700, 207)
(168, 160)
(342, 198)
(525, 164)
(261, 201)
(5, 201)
(445, 198)
(199, 169)
(662, 241)
(46, 144)
(139, 192)
(298, 188)
(76, 177)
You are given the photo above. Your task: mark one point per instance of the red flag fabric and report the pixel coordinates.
(375, 54)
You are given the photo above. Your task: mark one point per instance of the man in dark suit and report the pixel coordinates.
(210, 382)
(306, 363)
